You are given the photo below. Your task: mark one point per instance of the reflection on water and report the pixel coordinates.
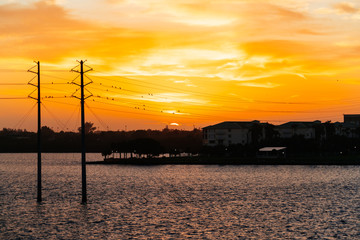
(230, 202)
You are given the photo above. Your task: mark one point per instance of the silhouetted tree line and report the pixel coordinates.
(152, 142)
(142, 141)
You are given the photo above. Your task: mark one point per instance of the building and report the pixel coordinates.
(271, 152)
(352, 119)
(348, 129)
(228, 133)
(310, 130)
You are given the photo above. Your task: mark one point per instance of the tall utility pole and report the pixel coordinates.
(83, 148)
(39, 198)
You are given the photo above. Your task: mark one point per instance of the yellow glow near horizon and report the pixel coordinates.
(189, 62)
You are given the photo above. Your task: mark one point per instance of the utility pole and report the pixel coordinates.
(83, 147)
(39, 187)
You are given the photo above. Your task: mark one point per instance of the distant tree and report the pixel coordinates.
(106, 153)
(147, 146)
(46, 131)
(166, 129)
(89, 128)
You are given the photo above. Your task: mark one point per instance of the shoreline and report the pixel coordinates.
(338, 160)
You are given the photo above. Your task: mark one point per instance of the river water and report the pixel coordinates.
(177, 201)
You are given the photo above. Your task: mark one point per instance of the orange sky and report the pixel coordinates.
(185, 63)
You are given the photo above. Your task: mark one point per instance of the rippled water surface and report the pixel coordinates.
(177, 202)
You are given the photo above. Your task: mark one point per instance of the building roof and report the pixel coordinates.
(346, 125)
(270, 149)
(351, 115)
(299, 124)
(232, 125)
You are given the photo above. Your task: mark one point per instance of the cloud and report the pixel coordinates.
(42, 30)
(259, 85)
(115, 1)
(49, 32)
(346, 7)
(264, 38)
(244, 7)
(276, 48)
(309, 32)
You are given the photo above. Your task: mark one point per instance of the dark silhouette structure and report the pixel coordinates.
(38, 99)
(83, 147)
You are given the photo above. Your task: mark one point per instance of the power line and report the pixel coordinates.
(13, 70)
(163, 108)
(15, 84)
(194, 106)
(212, 96)
(57, 120)
(25, 117)
(10, 98)
(228, 98)
(71, 116)
(210, 117)
(102, 123)
(159, 112)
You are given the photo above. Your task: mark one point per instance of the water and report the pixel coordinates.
(177, 202)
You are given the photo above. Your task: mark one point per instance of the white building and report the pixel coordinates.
(228, 133)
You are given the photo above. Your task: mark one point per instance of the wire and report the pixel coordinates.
(26, 115)
(102, 123)
(56, 97)
(12, 70)
(11, 98)
(70, 104)
(163, 108)
(71, 116)
(56, 77)
(6, 84)
(57, 120)
(212, 96)
(174, 113)
(165, 100)
(49, 88)
(194, 107)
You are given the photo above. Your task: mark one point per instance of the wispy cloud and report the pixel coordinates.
(259, 85)
(346, 7)
(262, 49)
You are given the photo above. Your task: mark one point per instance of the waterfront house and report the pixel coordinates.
(346, 129)
(309, 130)
(353, 119)
(237, 132)
(228, 133)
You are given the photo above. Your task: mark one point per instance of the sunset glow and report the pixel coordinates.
(180, 63)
